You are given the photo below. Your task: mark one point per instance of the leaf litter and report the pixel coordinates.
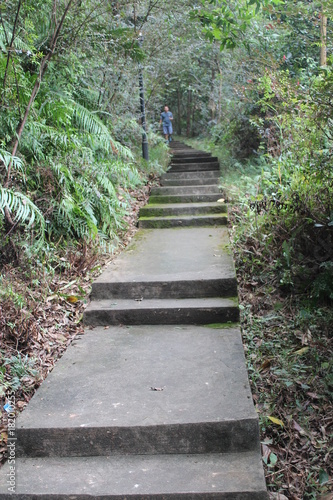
(289, 360)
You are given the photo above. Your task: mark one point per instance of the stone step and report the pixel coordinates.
(199, 311)
(136, 477)
(193, 167)
(113, 406)
(209, 175)
(187, 190)
(156, 265)
(179, 153)
(182, 149)
(183, 155)
(213, 287)
(185, 198)
(183, 221)
(194, 159)
(183, 209)
(195, 181)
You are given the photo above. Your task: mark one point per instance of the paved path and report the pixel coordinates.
(153, 402)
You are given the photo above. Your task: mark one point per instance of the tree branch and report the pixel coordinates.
(10, 46)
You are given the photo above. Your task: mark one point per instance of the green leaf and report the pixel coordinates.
(323, 477)
(272, 459)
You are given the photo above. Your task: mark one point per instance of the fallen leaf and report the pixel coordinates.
(312, 395)
(266, 451)
(266, 364)
(298, 428)
(61, 337)
(276, 421)
(302, 351)
(72, 299)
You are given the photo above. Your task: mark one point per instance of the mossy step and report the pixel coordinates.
(175, 190)
(209, 175)
(164, 210)
(182, 221)
(193, 167)
(194, 198)
(191, 158)
(195, 181)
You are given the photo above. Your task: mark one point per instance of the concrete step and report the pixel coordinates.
(179, 145)
(157, 262)
(187, 190)
(185, 198)
(203, 220)
(181, 149)
(112, 405)
(213, 287)
(195, 181)
(192, 158)
(193, 167)
(181, 155)
(183, 209)
(161, 311)
(164, 477)
(190, 154)
(209, 175)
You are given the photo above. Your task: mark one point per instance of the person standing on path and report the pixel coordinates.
(166, 121)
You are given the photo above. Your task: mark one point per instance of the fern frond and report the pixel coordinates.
(87, 97)
(6, 158)
(24, 210)
(106, 184)
(89, 122)
(19, 44)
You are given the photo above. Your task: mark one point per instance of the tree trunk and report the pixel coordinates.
(11, 46)
(193, 117)
(323, 40)
(219, 105)
(189, 112)
(212, 105)
(179, 112)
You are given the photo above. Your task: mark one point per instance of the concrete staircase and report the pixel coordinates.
(189, 193)
(153, 402)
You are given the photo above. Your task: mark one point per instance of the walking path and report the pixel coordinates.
(153, 402)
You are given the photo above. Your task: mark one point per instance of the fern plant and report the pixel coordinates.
(24, 211)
